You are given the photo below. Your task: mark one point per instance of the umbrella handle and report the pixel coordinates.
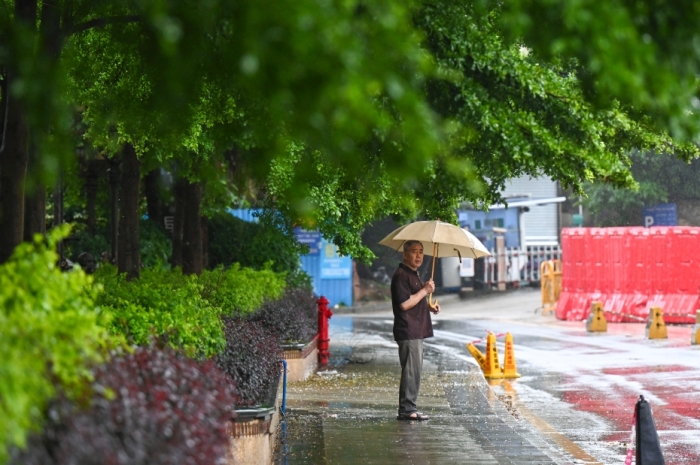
(430, 301)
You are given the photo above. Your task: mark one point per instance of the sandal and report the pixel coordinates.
(413, 416)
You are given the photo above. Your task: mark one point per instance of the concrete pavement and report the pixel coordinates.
(347, 414)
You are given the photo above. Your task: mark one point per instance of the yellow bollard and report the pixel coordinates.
(476, 353)
(547, 287)
(695, 336)
(596, 321)
(492, 368)
(656, 328)
(509, 369)
(557, 276)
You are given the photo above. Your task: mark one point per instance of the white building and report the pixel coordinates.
(539, 205)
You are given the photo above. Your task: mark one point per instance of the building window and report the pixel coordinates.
(477, 224)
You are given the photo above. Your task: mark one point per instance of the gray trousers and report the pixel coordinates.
(411, 358)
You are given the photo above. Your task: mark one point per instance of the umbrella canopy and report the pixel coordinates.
(439, 239)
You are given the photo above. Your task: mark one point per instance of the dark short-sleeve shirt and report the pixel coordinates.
(414, 323)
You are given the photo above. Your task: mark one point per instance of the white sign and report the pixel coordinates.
(466, 270)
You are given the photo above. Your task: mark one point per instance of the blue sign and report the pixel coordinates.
(661, 215)
(310, 238)
(334, 266)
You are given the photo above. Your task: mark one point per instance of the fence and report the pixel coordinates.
(629, 270)
(521, 266)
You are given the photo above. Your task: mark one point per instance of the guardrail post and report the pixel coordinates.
(596, 322)
(656, 327)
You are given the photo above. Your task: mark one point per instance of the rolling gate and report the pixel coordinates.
(630, 270)
(330, 273)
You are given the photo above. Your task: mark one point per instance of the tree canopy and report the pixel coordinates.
(345, 112)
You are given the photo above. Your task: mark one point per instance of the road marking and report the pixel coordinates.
(545, 428)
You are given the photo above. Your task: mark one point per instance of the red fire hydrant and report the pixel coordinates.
(324, 314)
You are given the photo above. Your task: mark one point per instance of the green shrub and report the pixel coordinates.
(50, 332)
(239, 290)
(232, 240)
(183, 311)
(81, 241)
(155, 244)
(300, 279)
(165, 305)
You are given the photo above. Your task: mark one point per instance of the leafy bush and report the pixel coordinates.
(239, 290)
(151, 407)
(252, 358)
(165, 305)
(50, 331)
(300, 279)
(293, 317)
(155, 244)
(80, 242)
(232, 240)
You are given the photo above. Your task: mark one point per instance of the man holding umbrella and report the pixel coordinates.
(412, 324)
(412, 321)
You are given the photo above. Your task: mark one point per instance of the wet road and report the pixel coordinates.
(578, 389)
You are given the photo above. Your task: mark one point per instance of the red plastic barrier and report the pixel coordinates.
(631, 270)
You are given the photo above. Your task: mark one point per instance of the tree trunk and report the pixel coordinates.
(192, 230)
(34, 203)
(128, 257)
(178, 222)
(205, 242)
(92, 180)
(13, 171)
(58, 211)
(114, 173)
(151, 188)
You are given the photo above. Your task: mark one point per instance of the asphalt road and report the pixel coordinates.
(578, 388)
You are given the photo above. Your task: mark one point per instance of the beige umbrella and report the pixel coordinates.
(445, 240)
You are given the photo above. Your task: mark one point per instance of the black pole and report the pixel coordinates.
(648, 447)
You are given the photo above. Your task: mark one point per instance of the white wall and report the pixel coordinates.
(541, 221)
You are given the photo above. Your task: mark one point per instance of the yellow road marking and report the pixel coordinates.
(548, 430)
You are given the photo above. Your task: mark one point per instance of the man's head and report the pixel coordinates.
(413, 254)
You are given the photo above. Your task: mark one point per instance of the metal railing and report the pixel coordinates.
(522, 266)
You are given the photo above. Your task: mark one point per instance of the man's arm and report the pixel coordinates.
(415, 298)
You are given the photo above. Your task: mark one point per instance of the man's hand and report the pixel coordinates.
(435, 310)
(429, 287)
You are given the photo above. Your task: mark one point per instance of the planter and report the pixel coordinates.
(254, 433)
(302, 359)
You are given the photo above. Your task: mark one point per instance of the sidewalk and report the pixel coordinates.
(347, 414)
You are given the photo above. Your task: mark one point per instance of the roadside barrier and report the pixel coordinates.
(695, 335)
(656, 328)
(630, 269)
(596, 322)
(489, 362)
(550, 284)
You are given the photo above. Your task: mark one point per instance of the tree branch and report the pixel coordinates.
(102, 22)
